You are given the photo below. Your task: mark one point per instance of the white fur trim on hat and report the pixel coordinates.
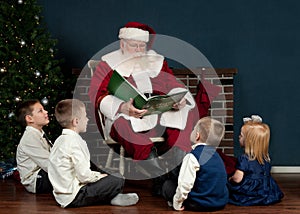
(134, 34)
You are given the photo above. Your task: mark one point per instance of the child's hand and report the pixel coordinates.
(181, 209)
(178, 208)
(237, 176)
(103, 175)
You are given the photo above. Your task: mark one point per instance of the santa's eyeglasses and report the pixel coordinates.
(140, 45)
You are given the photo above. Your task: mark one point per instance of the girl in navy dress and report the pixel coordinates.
(252, 183)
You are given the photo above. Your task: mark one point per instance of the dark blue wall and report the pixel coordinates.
(259, 37)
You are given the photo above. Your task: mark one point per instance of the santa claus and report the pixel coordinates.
(148, 71)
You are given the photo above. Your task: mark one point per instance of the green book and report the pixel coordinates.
(124, 90)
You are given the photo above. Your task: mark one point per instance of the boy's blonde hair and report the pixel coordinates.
(211, 131)
(66, 110)
(257, 137)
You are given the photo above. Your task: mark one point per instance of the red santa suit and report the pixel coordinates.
(151, 75)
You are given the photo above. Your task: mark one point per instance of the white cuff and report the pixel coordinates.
(109, 106)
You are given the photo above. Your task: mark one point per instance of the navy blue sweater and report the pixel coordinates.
(209, 189)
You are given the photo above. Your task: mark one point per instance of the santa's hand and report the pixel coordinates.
(128, 109)
(180, 105)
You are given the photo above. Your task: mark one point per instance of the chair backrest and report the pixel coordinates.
(92, 65)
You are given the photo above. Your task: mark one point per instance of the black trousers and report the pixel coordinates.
(169, 190)
(43, 184)
(99, 192)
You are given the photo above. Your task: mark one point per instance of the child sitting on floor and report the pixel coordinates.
(252, 183)
(231, 161)
(202, 177)
(74, 184)
(34, 148)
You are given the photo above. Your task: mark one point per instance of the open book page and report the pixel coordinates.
(162, 103)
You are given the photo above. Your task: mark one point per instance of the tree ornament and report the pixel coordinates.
(22, 42)
(11, 114)
(45, 101)
(18, 99)
(37, 73)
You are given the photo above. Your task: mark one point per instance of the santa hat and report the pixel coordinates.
(136, 31)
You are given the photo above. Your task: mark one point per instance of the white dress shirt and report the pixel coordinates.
(32, 155)
(69, 167)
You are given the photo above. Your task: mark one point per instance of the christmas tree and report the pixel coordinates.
(28, 69)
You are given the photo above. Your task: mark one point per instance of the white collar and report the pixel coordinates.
(198, 144)
(41, 133)
(69, 132)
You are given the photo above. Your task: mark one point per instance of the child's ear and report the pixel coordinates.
(29, 119)
(75, 122)
(198, 136)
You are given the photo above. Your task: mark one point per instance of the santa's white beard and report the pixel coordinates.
(128, 55)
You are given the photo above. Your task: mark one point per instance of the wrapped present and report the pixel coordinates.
(6, 169)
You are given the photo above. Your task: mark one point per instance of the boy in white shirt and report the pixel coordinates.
(33, 150)
(74, 183)
(202, 179)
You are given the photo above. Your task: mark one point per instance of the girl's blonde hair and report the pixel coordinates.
(257, 137)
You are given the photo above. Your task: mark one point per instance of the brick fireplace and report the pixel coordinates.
(222, 107)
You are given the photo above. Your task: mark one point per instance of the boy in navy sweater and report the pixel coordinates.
(202, 179)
